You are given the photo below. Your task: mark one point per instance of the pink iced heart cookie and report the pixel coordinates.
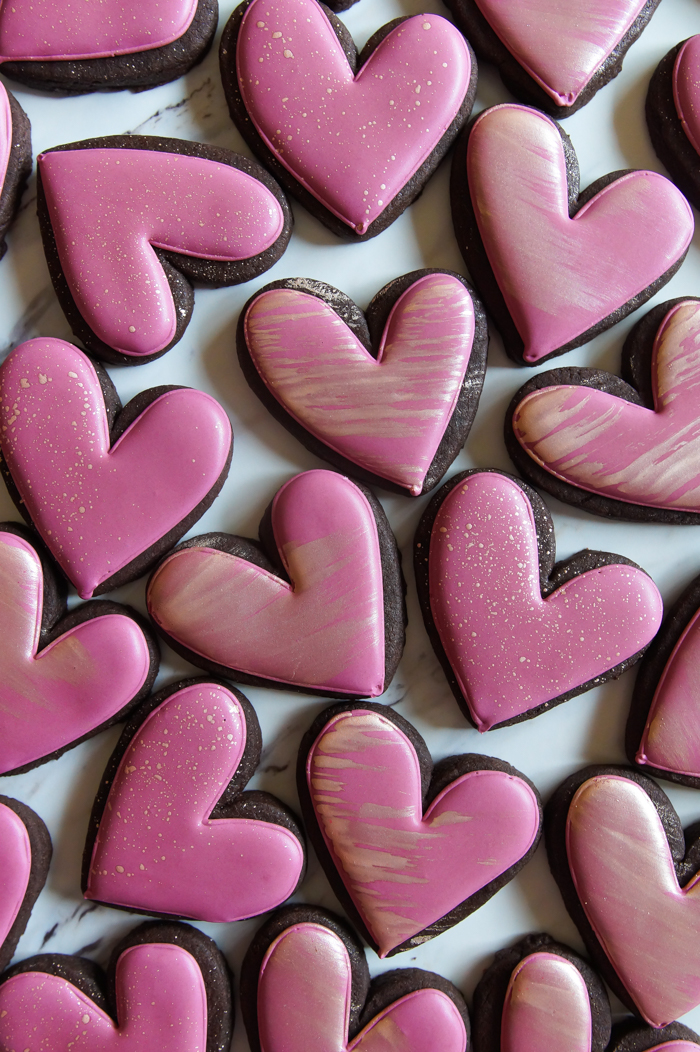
(108, 494)
(25, 854)
(673, 115)
(515, 633)
(15, 159)
(556, 268)
(179, 838)
(409, 857)
(333, 625)
(355, 146)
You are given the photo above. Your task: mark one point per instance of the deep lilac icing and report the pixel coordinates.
(15, 867)
(686, 89)
(546, 1007)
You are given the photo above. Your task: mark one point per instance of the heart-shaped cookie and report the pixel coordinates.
(15, 158)
(673, 115)
(332, 625)
(515, 633)
(108, 495)
(414, 856)
(25, 854)
(672, 1038)
(399, 411)
(556, 268)
(355, 146)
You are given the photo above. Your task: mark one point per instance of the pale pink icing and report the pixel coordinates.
(606, 445)
(161, 1003)
(351, 141)
(158, 850)
(325, 630)
(623, 871)
(510, 649)
(388, 414)
(561, 276)
(98, 508)
(79, 681)
(304, 993)
(15, 868)
(686, 89)
(404, 870)
(109, 210)
(675, 1046)
(546, 1007)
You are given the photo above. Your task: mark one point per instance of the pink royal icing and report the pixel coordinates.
(109, 210)
(161, 1003)
(622, 869)
(325, 630)
(686, 89)
(304, 997)
(5, 131)
(15, 868)
(558, 275)
(404, 870)
(351, 141)
(546, 1007)
(157, 848)
(511, 650)
(97, 508)
(387, 414)
(79, 681)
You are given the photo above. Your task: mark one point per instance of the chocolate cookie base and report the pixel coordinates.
(672, 145)
(630, 1037)
(41, 851)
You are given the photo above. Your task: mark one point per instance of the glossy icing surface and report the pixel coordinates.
(686, 89)
(351, 141)
(546, 1007)
(510, 649)
(623, 871)
(15, 867)
(603, 444)
(158, 850)
(111, 208)
(77, 682)
(304, 993)
(561, 276)
(404, 870)
(97, 507)
(161, 1004)
(5, 130)
(325, 630)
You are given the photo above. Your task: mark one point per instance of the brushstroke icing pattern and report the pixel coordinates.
(161, 1003)
(510, 649)
(546, 1007)
(387, 414)
(325, 630)
(79, 681)
(404, 870)
(304, 995)
(157, 848)
(622, 869)
(603, 444)
(686, 89)
(351, 141)
(15, 868)
(111, 208)
(97, 507)
(560, 276)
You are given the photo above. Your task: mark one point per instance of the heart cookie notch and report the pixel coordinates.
(25, 854)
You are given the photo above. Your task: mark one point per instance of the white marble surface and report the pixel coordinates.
(608, 134)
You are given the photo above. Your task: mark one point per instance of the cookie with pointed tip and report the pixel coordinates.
(673, 115)
(25, 855)
(630, 1037)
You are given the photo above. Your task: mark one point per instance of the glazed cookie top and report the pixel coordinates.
(15, 867)
(547, 1006)
(686, 77)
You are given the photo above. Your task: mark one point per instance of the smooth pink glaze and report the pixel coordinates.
(603, 444)
(404, 870)
(79, 681)
(97, 507)
(5, 130)
(388, 414)
(158, 850)
(510, 649)
(304, 993)
(351, 141)
(546, 1007)
(686, 89)
(623, 871)
(561, 276)
(111, 208)
(161, 1003)
(324, 631)
(15, 868)
(43, 30)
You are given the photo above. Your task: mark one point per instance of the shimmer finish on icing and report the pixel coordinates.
(15, 868)
(510, 649)
(77, 682)
(158, 850)
(161, 1004)
(546, 1007)
(387, 414)
(403, 870)
(97, 507)
(560, 276)
(623, 872)
(325, 630)
(351, 141)
(686, 89)
(109, 210)
(304, 994)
